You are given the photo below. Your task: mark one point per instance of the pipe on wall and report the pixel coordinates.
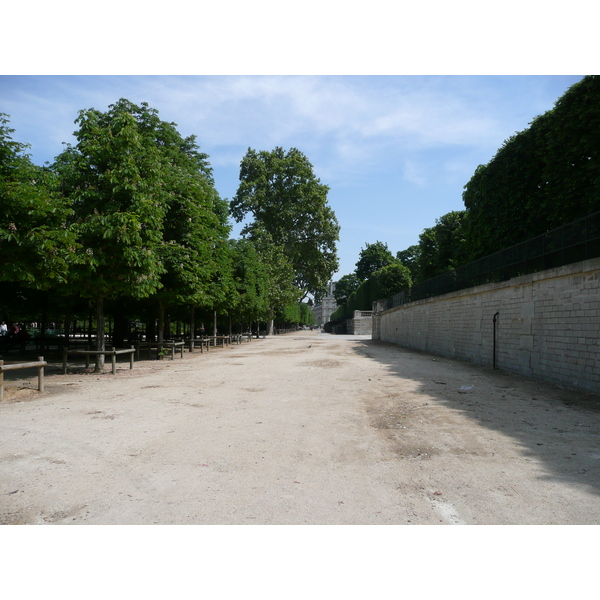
(494, 349)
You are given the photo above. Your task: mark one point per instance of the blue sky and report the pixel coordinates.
(395, 151)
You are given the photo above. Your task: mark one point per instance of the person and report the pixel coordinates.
(202, 329)
(3, 328)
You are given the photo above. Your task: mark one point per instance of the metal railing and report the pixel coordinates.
(574, 242)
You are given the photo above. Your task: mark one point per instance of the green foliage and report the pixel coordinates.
(296, 313)
(541, 178)
(344, 287)
(247, 298)
(381, 285)
(286, 200)
(441, 247)
(372, 258)
(36, 245)
(390, 280)
(409, 258)
(112, 177)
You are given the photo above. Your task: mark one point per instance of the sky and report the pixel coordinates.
(395, 151)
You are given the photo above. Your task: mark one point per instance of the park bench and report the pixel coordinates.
(87, 353)
(202, 341)
(39, 364)
(219, 340)
(175, 347)
(149, 346)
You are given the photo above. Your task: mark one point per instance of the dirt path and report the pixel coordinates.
(306, 428)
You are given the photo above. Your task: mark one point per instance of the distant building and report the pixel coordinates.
(327, 307)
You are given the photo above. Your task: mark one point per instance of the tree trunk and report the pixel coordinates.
(67, 328)
(89, 331)
(99, 334)
(161, 321)
(192, 322)
(270, 323)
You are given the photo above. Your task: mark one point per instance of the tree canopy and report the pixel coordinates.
(345, 286)
(286, 200)
(541, 178)
(36, 245)
(372, 258)
(144, 208)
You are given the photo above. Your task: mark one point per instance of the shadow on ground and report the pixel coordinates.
(559, 427)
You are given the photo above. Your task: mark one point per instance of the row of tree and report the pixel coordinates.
(129, 215)
(541, 178)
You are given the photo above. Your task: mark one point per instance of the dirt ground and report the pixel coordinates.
(306, 428)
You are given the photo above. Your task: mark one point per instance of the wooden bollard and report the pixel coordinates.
(114, 361)
(41, 375)
(131, 357)
(1, 381)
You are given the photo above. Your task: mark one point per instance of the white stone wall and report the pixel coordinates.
(547, 327)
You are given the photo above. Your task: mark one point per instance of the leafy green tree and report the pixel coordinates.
(248, 295)
(280, 287)
(36, 245)
(409, 258)
(441, 247)
(344, 287)
(195, 228)
(372, 258)
(541, 178)
(390, 280)
(286, 200)
(114, 179)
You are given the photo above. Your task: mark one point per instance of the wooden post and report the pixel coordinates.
(64, 361)
(131, 358)
(1, 381)
(114, 361)
(41, 375)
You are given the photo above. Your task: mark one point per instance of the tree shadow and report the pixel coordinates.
(556, 426)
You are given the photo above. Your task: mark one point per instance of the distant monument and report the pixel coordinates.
(326, 308)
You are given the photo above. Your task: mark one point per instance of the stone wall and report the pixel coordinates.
(361, 324)
(547, 325)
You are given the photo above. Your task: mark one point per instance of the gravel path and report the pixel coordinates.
(306, 428)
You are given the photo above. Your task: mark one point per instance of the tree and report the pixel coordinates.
(248, 294)
(441, 247)
(344, 287)
(195, 226)
(36, 246)
(409, 258)
(372, 258)
(391, 280)
(286, 200)
(114, 179)
(541, 178)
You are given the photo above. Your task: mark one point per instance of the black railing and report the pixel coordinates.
(574, 242)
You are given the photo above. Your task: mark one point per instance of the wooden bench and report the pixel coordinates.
(175, 347)
(87, 353)
(203, 341)
(40, 364)
(149, 346)
(217, 340)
